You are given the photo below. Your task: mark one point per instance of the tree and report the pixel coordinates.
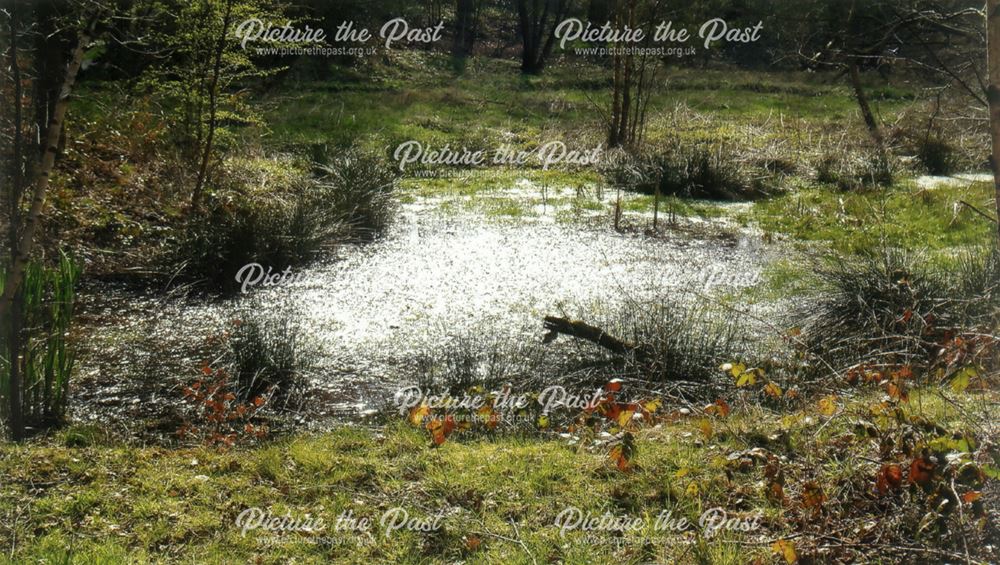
(537, 21)
(858, 35)
(23, 225)
(213, 102)
(200, 67)
(993, 95)
(632, 75)
(466, 28)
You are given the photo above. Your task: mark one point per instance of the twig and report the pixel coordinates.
(978, 211)
(961, 520)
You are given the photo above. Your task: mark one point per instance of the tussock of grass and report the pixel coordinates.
(272, 211)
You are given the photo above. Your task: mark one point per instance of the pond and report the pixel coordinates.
(441, 272)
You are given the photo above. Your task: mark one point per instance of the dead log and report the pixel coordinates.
(593, 334)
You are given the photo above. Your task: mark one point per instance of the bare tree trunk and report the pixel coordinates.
(19, 260)
(993, 94)
(16, 190)
(537, 37)
(213, 105)
(866, 110)
(465, 28)
(626, 110)
(616, 92)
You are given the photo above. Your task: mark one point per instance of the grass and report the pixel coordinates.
(102, 500)
(419, 99)
(903, 215)
(266, 351)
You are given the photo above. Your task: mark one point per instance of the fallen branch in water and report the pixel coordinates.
(593, 334)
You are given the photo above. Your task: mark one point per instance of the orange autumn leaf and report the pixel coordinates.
(418, 413)
(813, 495)
(719, 408)
(922, 471)
(776, 492)
(889, 478)
(971, 496)
(489, 417)
(610, 410)
(896, 392)
(618, 457)
(441, 428)
(614, 385)
(772, 390)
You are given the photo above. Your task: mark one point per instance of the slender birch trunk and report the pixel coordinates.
(44, 169)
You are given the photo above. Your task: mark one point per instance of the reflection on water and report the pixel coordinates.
(435, 275)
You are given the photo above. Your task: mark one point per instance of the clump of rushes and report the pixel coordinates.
(267, 353)
(45, 361)
(359, 188)
(882, 305)
(284, 220)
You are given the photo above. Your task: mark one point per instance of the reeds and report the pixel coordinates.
(45, 360)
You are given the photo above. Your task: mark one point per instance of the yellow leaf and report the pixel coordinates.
(624, 417)
(682, 472)
(772, 390)
(785, 549)
(961, 380)
(737, 370)
(652, 405)
(705, 425)
(692, 489)
(827, 405)
(747, 378)
(418, 414)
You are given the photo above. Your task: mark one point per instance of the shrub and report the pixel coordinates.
(685, 342)
(858, 170)
(276, 233)
(937, 156)
(978, 287)
(666, 343)
(266, 353)
(691, 171)
(277, 215)
(879, 306)
(479, 360)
